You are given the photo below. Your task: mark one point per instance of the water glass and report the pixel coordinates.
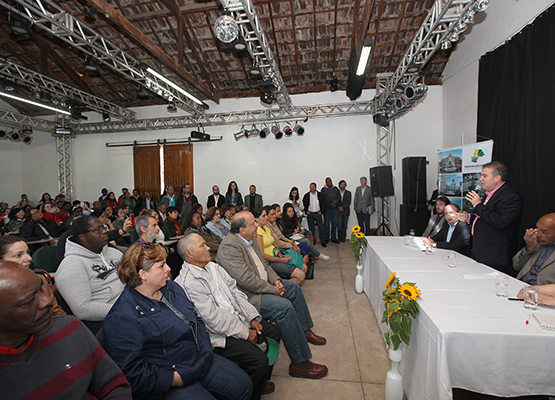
(429, 250)
(407, 240)
(530, 298)
(451, 257)
(501, 286)
(411, 232)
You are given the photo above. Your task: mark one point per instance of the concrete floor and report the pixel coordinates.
(355, 353)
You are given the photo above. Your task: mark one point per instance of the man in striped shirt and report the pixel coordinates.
(42, 357)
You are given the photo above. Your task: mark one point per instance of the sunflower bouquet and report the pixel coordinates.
(400, 308)
(358, 242)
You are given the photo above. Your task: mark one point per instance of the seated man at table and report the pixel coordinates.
(535, 263)
(45, 357)
(280, 302)
(87, 278)
(454, 234)
(436, 220)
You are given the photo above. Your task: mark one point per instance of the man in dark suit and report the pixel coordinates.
(454, 234)
(495, 219)
(215, 199)
(344, 211)
(364, 205)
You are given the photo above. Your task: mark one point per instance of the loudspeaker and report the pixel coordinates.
(411, 219)
(381, 181)
(414, 181)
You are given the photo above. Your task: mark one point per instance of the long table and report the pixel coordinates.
(465, 336)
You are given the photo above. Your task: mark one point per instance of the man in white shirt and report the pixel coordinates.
(237, 331)
(315, 205)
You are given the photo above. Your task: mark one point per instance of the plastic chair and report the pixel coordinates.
(273, 350)
(44, 258)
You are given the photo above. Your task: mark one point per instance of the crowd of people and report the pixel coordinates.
(188, 303)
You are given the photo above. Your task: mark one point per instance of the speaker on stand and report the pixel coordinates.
(381, 184)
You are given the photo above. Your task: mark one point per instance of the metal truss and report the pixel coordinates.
(234, 118)
(8, 118)
(38, 82)
(383, 148)
(257, 45)
(443, 20)
(65, 175)
(55, 20)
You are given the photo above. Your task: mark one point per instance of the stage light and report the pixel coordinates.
(409, 92)
(27, 140)
(171, 107)
(299, 130)
(90, 65)
(334, 84)
(364, 56)
(277, 132)
(264, 132)
(255, 70)
(461, 27)
(14, 136)
(3, 135)
(75, 113)
(454, 36)
(27, 130)
(242, 134)
(89, 12)
(253, 132)
(142, 93)
(381, 120)
(226, 29)
(288, 131)
(239, 43)
(8, 85)
(45, 96)
(267, 98)
(481, 5)
(106, 117)
(200, 135)
(446, 45)
(469, 17)
(17, 27)
(414, 68)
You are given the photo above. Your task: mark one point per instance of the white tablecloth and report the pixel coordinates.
(465, 336)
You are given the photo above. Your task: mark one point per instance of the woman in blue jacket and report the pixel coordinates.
(158, 340)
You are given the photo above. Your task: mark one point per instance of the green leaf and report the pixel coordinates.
(386, 336)
(384, 318)
(392, 306)
(396, 341)
(407, 324)
(395, 323)
(405, 337)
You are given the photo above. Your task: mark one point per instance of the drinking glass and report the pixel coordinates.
(530, 298)
(451, 257)
(501, 285)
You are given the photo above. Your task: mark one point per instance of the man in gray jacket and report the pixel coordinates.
(280, 302)
(364, 205)
(87, 278)
(237, 331)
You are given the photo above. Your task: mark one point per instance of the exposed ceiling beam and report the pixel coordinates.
(142, 40)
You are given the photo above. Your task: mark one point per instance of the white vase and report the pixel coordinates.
(359, 282)
(394, 379)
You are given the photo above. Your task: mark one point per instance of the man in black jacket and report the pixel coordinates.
(454, 234)
(215, 199)
(344, 211)
(38, 228)
(314, 206)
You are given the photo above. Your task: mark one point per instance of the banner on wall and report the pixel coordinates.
(459, 171)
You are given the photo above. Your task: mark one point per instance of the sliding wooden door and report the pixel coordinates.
(146, 169)
(178, 166)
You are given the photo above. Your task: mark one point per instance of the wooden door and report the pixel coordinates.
(178, 166)
(146, 169)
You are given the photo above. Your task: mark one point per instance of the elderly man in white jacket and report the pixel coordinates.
(237, 331)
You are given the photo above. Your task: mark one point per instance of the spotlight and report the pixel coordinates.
(381, 120)
(27, 140)
(45, 96)
(239, 43)
(106, 117)
(410, 92)
(171, 107)
(482, 5)
(446, 45)
(200, 135)
(414, 68)
(461, 27)
(299, 130)
(242, 134)
(469, 17)
(277, 132)
(253, 132)
(3, 135)
(19, 28)
(400, 89)
(288, 131)
(226, 29)
(90, 65)
(264, 132)
(8, 85)
(255, 70)
(334, 84)
(14, 136)
(75, 110)
(267, 98)
(27, 130)
(89, 12)
(454, 36)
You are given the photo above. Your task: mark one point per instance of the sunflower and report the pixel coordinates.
(359, 235)
(390, 279)
(356, 229)
(409, 291)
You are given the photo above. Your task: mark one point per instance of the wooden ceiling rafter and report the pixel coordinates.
(218, 47)
(295, 44)
(395, 41)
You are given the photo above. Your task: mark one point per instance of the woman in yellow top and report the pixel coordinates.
(278, 262)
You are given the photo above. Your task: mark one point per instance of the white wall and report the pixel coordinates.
(501, 20)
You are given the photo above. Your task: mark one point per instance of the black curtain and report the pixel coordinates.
(516, 109)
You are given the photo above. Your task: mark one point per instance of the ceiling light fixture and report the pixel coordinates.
(17, 27)
(288, 131)
(299, 130)
(446, 45)
(239, 43)
(106, 117)
(226, 29)
(171, 107)
(173, 85)
(264, 132)
(90, 65)
(34, 103)
(364, 56)
(482, 5)
(277, 132)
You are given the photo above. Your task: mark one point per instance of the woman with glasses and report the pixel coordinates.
(213, 222)
(159, 341)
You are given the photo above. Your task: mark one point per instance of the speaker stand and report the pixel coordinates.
(383, 226)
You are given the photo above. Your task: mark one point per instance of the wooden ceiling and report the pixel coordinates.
(311, 40)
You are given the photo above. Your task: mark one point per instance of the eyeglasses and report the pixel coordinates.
(99, 229)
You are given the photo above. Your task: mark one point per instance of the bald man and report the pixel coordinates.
(536, 261)
(46, 357)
